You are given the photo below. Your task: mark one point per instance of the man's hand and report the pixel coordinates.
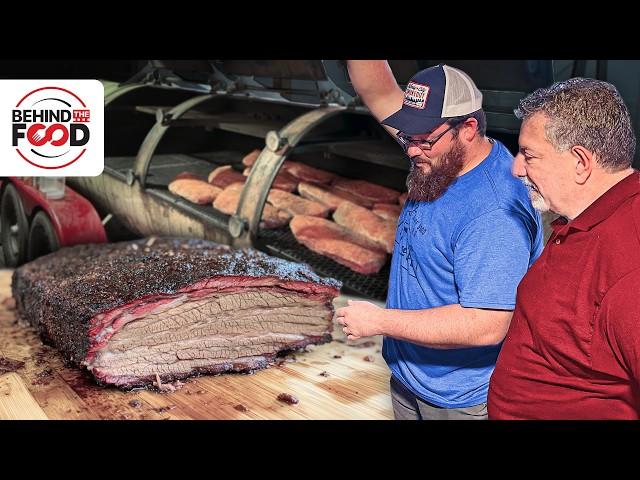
(360, 319)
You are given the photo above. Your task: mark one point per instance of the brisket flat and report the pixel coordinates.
(283, 181)
(251, 157)
(372, 192)
(306, 173)
(373, 230)
(224, 176)
(196, 191)
(173, 307)
(328, 196)
(227, 202)
(387, 211)
(296, 205)
(190, 175)
(336, 242)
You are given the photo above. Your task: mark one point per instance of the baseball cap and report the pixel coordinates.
(432, 96)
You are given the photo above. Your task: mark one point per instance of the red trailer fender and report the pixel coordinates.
(74, 218)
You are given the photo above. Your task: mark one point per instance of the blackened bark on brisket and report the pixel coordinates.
(178, 307)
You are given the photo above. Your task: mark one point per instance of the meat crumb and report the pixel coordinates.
(324, 374)
(165, 408)
(369, 358)
(135, 403)
(9, 365)
(288, 398)
(241, 408)
(163, 387)
(337, 356)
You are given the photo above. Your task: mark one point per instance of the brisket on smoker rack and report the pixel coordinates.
(338, 243)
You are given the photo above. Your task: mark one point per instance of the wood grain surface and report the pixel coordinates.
(337, 380)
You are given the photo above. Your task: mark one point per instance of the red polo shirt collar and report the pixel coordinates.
(603, 207)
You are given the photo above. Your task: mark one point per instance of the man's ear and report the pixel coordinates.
(470, 129)
(584, 163)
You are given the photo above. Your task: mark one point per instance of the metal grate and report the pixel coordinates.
(282, 243)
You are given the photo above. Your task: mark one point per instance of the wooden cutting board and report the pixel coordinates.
(16, 403)
(350, 387)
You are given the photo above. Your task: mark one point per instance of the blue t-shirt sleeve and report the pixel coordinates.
(491, 255)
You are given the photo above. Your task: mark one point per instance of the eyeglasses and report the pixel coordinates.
(406, 141)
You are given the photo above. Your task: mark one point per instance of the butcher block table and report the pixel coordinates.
(338, 380)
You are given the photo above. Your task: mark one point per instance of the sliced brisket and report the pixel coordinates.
(128, 311)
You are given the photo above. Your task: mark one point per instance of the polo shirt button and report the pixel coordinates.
(557, 241)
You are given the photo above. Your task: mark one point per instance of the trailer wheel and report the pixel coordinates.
(14, 228)
(42, 237)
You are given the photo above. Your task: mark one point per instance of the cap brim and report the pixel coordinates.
(412, 124)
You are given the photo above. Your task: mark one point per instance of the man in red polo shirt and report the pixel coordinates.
(573, 347)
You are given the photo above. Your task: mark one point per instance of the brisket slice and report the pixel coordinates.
(196, 191)
(175, 307)
(373, 230)
(336, 242)
(224, 176)
(371, 192)
(227, 202)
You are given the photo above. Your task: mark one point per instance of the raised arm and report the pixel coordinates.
(374, 82)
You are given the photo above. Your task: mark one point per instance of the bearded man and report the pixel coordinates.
(466, 236)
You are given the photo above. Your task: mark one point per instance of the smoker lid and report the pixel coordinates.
(322, 82)
(311, 82)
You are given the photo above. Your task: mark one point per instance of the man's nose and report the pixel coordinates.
(414, 151)
(517, 168)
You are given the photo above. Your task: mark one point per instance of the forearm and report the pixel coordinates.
(449, 326)
(376, 85)
(371, 76)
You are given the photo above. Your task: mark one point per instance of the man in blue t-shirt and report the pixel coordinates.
(466, 236)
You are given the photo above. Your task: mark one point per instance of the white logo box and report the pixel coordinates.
(51, 128)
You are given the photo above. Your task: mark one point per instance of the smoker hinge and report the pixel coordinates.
(162, 118)
(130, 177)
(237, 226)
(274, 141)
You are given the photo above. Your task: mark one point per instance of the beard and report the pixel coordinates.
(537, 200)
(427, 187)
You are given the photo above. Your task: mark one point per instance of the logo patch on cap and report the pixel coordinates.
(415, 96)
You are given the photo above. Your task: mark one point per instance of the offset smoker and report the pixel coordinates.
(194, 116)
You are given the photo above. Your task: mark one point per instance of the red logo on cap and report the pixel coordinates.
(415, 96)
